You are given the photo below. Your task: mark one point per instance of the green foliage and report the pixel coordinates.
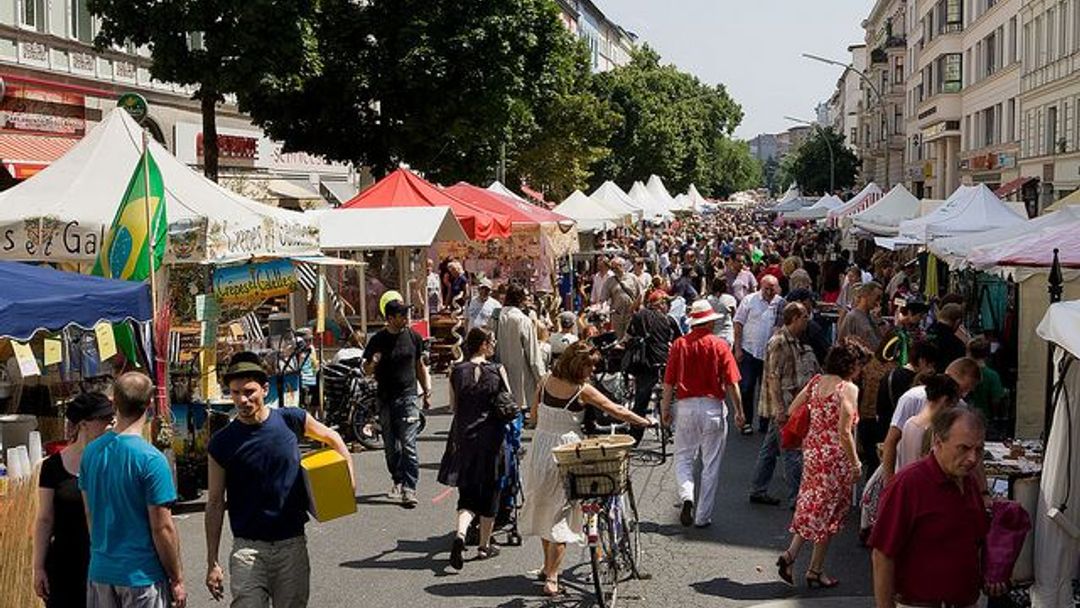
(809, 164)
(675, 126)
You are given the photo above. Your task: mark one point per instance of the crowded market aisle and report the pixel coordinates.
(389, 556)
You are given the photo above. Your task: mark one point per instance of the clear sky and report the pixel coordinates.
(752, 47)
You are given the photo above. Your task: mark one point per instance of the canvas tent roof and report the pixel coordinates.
(792, 193)
(500, 188)
(819, 210)
(958, 250)
(866, 197)
(386, 227)
(883, 217)
(1072, 199)
(403, 188)
(696, 200)
(1035, 248)
(519, 212)
(794, 205)
(612, 198)
(589, 215)
(652, 208)
(41, 298)
(62, 213)
(969, 209)
(660, 193)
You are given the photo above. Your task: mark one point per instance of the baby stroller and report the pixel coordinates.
(511, 495)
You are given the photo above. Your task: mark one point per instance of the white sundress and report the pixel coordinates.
(547, 512)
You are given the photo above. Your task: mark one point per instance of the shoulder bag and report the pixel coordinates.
(798, 424)
(504, 405)
(636, 358)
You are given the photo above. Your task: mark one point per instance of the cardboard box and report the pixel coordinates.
(330, 492)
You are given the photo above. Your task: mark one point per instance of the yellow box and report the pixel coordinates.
(329, 489)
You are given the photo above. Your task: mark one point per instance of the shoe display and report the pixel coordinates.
(686, 517)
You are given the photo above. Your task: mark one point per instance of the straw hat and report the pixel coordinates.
(702, 312)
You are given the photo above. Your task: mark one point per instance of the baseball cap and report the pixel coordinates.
(484, 283)
(396, 308)
(86, 406)
(913, 303)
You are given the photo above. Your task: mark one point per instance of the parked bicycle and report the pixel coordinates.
(351, 407)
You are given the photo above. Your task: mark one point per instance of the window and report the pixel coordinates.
(1051, 39)
(898, 70)
(1012, 119)
(967, 133)
(32, 14)
(81, 22)
(1076, 25)
(1014, 43)
(1062, 30)
(989, 61)
(988, 127)
(1051, 130)
(950, 73)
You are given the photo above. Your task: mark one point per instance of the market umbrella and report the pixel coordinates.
(403, 188)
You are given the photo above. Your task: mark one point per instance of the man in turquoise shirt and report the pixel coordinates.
(128, 489)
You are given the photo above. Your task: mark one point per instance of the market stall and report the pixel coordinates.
(660, 193)
(818, 211)
(866, 197)
(970, 209)
(590, 216)
(653, 208)
(610, 196)
(883, 217)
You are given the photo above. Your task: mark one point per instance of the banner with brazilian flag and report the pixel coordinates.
(125, 253)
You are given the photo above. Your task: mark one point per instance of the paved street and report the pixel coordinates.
(387, 556)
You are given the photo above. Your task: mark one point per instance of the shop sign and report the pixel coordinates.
(1006, 161)
(984, 162)
(50, 239)
(254, 282)
(27, 109)
(230, 147)
(249, 148)
(135, 105)
(934, 131)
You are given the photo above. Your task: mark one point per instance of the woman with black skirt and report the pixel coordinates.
(474, 459)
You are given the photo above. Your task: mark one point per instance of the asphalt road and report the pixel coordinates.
(387, 556)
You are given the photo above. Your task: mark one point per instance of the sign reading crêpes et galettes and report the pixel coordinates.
(253, 282)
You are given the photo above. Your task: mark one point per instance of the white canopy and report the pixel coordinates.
(589, 215)
(969, 209)
(386, 227)
(817, 211)
(682, 203)
(612, 197)
(697, 202)
(866, 197)
(62, 213)
(653, 208)
(499, 188)
(656, 188)
(794, 205)
(959, 250)
(792, 193)
(883, 217)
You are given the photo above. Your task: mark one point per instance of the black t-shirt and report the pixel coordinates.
(396, 370)
(69, 550)
(265, 491)
(659, 331)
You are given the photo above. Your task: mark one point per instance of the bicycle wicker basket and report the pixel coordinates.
(595, 467)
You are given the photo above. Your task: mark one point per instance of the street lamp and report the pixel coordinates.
(828, 144)
(877, 93)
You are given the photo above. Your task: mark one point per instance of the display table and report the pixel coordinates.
(1013, 471)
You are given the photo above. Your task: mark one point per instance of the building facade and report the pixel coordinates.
(56, 87)
(610, 45)
(882, 111)
(1050, 98)
(844, 105)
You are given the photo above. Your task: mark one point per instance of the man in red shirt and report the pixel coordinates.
(932, 522)
(701, 371)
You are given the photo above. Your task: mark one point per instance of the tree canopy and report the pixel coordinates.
(809, 164)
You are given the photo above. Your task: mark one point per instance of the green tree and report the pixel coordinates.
(220, 47)
(810, 163)
(675, 126)
(444, 86)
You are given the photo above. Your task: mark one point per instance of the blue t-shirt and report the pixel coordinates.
(263, 485)
(122, 475)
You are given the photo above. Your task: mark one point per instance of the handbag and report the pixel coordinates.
(636, 358)
(506, 408)
(798, 424)
(1009, 528)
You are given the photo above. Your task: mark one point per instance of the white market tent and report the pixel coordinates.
(697, 202)
(62, 213)
(653, 208)
(656, 188)
(792, 193)
(969, 209)
(499, 188)
(386, 228)
(977, 249)
(611, 196)
(793, 204)
(589, 215)
(817, 211)
(883, 217)
(682, 203)
(866, 197)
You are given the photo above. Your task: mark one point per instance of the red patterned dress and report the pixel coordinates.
(825, 493)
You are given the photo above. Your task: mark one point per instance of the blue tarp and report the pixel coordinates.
(36, 298)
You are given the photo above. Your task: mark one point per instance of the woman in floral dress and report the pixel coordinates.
(830, 463)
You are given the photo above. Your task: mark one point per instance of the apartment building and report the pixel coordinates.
(609, 44)
(1050, 98)
(882, 124)
(844, 105)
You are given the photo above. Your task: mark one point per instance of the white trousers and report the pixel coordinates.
(700, 429)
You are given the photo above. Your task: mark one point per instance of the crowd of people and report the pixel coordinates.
(730, 316)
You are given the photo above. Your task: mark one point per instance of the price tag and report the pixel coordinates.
(53, 352)
(106, 341)
(28, 365)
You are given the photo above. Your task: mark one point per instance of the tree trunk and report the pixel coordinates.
(208, 98)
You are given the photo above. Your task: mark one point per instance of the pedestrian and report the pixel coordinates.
(658, 330)
(566, 335)
(482, 306)
(941, 392)
(395, 356)
(989, 394)
(815, 336)
(642, 274)
(859, 322)
(474, 460)
(830, 463)
(920, 364)
(756, 318)
(724, 304)
(942, 333)
(740, 280)
(933, 522)
(623, 294)
(61, 538)
(559, 412)
(789, 365)
(701, 372)
(128, 489)
(603, 271)
(433, 288)
(254, 472)
(517, 347)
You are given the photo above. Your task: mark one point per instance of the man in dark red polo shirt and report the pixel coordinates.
(701, 371)
(932, 522)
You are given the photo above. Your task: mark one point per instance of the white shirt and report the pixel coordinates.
(758, 319)
(644, 279)
(598, 281)
(479, 311)
(724, 304)
(909, 404)
(560, 341)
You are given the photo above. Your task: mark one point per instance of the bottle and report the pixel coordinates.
(3, 480)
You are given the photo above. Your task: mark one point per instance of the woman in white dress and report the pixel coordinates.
(559, 414)
(942, 393)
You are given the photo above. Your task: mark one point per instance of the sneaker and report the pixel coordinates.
(764, 499)
(457, 552)
(686, 516)
(395, 492)
(488, 552)
(747, 429)
(408, 498)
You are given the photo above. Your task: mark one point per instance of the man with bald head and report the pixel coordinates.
(757, 317)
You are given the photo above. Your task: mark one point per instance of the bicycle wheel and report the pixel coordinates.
(604, 558)
(630, 535)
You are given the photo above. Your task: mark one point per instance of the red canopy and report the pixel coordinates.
(403, 188)
(518, 211)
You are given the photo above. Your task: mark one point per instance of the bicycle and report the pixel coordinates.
(611, 523)
(619, 386)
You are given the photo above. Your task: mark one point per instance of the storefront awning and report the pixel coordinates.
(295, 189)
(1012, 187)
(25, 155)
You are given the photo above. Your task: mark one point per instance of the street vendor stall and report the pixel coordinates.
(883, 217)
(866, 197)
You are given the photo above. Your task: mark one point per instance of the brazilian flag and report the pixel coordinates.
(125, 252)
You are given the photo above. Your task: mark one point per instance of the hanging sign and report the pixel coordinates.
(106, 340)
(52, 352)
(25, 358)
(254, 282)
(135, 105)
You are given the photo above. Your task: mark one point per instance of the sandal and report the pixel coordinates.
(552, 588)
(785, 564)
(487, 552)
(817, 580)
